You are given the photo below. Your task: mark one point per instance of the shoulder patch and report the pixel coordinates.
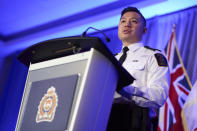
(147, 47)
(161, 60)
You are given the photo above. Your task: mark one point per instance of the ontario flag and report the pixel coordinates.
(180, 85)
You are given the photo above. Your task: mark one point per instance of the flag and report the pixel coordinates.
(188, 113)
(180, 85)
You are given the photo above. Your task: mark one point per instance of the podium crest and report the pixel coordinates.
(47, 106)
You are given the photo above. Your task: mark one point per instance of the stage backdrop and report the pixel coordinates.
(13, 73)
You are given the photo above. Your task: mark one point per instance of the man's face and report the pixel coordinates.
(131, 27)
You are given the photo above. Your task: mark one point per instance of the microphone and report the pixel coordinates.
(84, 33)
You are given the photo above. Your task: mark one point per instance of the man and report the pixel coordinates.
(135, 104)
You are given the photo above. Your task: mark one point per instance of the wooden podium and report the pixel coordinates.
(70, 85)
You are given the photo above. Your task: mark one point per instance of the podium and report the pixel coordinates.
(70, 85)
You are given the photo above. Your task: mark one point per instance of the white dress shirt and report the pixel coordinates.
(150, 89)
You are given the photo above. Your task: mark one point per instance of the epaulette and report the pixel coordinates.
(147, 47)
(116, 54)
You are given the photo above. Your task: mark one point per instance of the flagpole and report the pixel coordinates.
(179, 56)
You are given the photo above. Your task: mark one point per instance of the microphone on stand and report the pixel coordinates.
(84, 33)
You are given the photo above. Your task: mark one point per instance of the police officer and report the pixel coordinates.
(136, 104)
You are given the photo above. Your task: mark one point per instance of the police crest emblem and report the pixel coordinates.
(47, 106)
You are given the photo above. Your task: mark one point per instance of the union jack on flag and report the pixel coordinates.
(180, 85)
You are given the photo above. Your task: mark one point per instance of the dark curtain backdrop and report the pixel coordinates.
(159, 30)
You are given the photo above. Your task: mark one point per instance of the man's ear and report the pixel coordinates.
(145, 30)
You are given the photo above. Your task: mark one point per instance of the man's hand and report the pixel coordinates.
(127, 91)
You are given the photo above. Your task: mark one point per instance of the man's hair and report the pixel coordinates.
(133, 9)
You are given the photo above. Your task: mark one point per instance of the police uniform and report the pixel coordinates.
(150, 69)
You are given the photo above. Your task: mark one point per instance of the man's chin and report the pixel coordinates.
(126, 39)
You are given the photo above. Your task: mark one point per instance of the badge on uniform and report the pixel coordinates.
(161, 60)
(135, 60)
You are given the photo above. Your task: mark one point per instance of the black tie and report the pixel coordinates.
(124, 55)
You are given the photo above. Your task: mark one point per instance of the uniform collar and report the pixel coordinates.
(135, 46)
